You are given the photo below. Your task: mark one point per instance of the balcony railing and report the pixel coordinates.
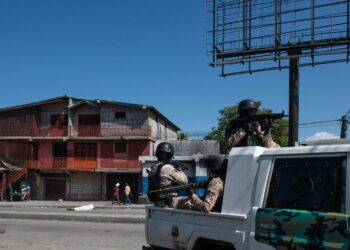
(124, 130)
(120, 164)
(81, 130)
(89, 130)
(59, 162)
(85, 162)
(62, 131)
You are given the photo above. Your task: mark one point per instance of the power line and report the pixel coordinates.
(304, 125)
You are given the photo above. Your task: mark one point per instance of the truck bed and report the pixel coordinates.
(180, 229)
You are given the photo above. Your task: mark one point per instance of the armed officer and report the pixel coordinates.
(170, 172)
(241, 134)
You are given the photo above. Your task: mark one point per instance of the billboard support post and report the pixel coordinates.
(293, 97)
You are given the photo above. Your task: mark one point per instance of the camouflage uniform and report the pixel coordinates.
(238, 137)
(168, 176)
(214, 189)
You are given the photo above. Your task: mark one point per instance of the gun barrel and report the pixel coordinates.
(176, 188)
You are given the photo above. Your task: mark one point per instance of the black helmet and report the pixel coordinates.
(247, 107)
(164, 151)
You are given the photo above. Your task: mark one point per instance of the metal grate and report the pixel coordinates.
(246, 36)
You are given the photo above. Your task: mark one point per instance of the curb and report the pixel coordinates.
(65, 206)
(72, 217)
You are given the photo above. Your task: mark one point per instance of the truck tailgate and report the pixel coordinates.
(176, 228)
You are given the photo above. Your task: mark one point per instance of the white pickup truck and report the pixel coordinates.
(285, 198)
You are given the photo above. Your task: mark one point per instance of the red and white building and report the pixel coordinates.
(75, 149)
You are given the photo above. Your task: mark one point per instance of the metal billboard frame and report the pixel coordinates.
(248, 36)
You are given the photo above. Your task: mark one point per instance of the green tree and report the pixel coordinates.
(182, 136)
(279, 128)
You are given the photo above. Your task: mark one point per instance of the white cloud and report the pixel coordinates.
(322, 136)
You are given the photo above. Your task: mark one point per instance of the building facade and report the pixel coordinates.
(76, 149)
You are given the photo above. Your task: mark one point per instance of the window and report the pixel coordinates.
(59, 149)
(59, 120)
(316, 184)
(121, 147)
(85, 150)
(89, 120)
(120, 115)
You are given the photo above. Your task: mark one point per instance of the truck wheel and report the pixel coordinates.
(156, 248)
(213, 245)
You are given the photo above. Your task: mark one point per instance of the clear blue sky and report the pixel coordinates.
(145, 52)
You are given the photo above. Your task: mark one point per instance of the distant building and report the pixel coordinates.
(76, 149)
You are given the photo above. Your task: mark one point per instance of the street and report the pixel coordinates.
(106, 211)
(58, 235)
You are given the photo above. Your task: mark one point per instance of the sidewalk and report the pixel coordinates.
(57, 210)
(68, 204)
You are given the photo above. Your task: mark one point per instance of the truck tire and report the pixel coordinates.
(212, 245)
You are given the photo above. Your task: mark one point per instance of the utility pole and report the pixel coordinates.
(344, 125)
(293, 97)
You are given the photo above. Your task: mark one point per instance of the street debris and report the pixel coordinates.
(82, 208)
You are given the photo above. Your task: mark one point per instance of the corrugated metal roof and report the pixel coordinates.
(8, 165)
(95, 103)
(33, 104)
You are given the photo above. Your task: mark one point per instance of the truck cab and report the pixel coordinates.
(285, 198)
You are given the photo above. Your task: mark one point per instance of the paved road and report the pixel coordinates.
(52, 211)
(58, 235)
(106, 211)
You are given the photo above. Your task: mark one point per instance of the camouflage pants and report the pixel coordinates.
(171, 201)
(215, 188)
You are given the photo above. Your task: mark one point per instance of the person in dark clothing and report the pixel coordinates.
(242, 134)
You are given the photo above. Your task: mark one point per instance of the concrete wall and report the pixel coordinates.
(161, 130)
(45, 155)
(183, 148)
(136, 119)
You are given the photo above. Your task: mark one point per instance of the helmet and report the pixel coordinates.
(247, 107)
(164, 151)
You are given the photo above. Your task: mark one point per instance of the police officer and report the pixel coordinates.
(170, 173)
(240, 134)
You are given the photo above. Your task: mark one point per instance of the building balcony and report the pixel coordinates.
(120, 164)
(85, 163)
(124, 130)
(62, 131)
(29, 163)
(59, 162)
(89, 130)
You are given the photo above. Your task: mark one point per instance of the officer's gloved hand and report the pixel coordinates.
(255, 128)
(266, 126)
(191, 191)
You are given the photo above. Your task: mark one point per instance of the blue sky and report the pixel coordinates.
(145, 52)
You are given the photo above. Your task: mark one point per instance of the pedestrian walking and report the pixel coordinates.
(127, 194)
(116, 194)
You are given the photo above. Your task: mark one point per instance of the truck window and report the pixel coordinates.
(316, 184)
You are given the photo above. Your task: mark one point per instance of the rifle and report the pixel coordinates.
(252, 120)
(179, 187)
